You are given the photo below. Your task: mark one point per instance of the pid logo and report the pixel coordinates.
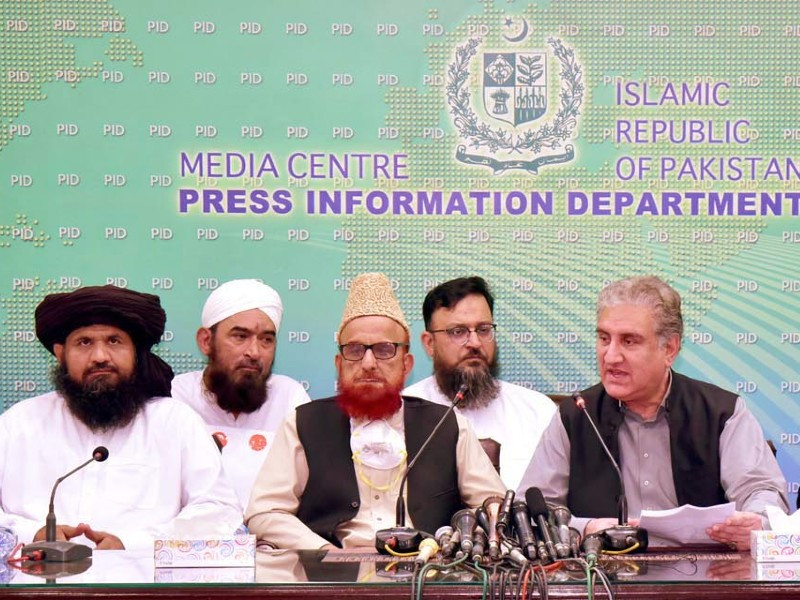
(299, 285)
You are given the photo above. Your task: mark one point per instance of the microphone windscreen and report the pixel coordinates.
(536, 503)
(100, 453)
(579, 401)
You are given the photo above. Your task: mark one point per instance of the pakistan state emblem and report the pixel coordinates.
(516, 98)
(518, 79)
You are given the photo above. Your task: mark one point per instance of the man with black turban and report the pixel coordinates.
(163, 475)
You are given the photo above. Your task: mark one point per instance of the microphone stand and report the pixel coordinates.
(62, 551)
(401, 538)
(622, 536)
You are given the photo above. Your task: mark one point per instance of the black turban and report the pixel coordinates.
(139, 315)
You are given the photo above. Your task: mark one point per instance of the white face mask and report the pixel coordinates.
(377, 445)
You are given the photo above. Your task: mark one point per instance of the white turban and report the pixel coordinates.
(238, 296)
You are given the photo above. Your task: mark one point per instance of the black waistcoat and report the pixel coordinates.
(331, 494)
(696, 411)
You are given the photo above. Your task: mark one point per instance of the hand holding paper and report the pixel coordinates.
(686, 524)
(735, 530)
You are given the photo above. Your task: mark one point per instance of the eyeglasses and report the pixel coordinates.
(381, 350)
(460, 334)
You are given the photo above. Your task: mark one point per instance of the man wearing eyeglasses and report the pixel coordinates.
(460, 338)
(332, 477)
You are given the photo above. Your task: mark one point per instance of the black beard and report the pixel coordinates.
(246, 395)
(100, 405)
(482, 384)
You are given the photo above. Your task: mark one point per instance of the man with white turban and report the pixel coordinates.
(237, 395)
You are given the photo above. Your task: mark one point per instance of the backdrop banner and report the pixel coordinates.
(550, 147)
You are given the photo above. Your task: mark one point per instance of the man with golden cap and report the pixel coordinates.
(163, 475)
(237, 395)
(332, 477)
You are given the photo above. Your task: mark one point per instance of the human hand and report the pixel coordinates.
(735, 530)
(597, 525)
(63, 533)
(731, 570)
(102, 539)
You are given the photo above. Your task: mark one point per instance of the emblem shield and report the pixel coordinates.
(515, 86)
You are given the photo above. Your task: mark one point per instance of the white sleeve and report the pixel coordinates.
(24, 527)
(208, 501)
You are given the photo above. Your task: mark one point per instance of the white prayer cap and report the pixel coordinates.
(238, 296)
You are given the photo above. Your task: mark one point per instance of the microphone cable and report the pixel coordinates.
(35, 555)
(594, 571)
(423, 573)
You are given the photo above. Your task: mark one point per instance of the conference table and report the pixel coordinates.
(316, 574)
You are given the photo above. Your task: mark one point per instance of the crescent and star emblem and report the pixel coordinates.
(521, 32)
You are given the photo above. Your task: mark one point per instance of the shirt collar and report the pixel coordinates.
(663, 407)
(395, 420)
(665, 401)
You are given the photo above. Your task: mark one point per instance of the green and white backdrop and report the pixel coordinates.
(549, 146)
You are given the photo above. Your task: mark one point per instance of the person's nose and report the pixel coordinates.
(251, 348)
(369, 361)
(613, 353)
(100, 354)
(473, 341)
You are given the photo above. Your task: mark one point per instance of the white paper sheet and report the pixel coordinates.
(685, 524)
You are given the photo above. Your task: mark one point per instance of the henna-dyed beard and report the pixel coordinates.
(99, 404)
(368, 402)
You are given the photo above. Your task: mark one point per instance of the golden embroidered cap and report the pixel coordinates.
(371, 294)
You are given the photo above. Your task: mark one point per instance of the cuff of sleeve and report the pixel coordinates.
(310, 541)
(284, 533)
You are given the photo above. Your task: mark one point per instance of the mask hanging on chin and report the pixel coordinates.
(377, 445)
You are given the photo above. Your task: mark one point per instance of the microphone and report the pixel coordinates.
(561, 517)
(541, 551)
(427, 548)
(592, 545)
(456, 542)
(574, 542)
(479, 542)
(492, 506)
(464, 523)
(508, 550)
(537, 508)
(483, 518)
(623, 536)
(53, 551)
(401, 538)
(504, 513)
(522, 524)
(444, 537)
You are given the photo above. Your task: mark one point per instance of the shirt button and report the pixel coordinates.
(377, 497)
(646, 483)
(646, 455)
